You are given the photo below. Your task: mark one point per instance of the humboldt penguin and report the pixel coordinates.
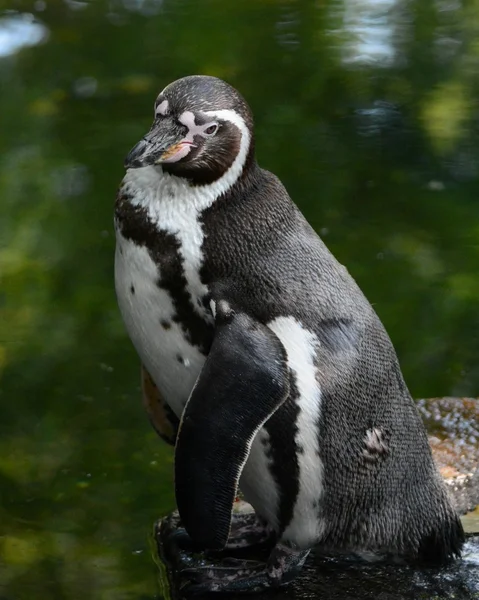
(263, 362)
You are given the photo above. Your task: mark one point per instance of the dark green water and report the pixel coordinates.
(368, 113)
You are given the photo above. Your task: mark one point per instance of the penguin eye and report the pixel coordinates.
(212, 129)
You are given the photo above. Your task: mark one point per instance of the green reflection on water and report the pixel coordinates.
(376, 140)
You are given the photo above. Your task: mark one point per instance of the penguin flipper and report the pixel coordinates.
(243, 382)
(163, 419)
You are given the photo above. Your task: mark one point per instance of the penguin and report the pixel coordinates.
(263, 362)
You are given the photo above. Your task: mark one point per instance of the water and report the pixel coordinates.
(365, 109)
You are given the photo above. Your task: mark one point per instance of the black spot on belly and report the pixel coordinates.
(164, 249)
(132, 289)
(180, 359)
(165, 324)
(284, 467)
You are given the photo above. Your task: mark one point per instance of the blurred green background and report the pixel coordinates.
(366, 109)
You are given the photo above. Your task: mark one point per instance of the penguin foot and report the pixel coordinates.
(194, 572)
(248, 530)
(231, 575)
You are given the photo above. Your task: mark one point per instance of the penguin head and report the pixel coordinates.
(202, 128)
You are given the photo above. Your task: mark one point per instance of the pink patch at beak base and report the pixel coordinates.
(175, 152)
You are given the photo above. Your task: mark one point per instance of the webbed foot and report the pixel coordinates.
(248, 530)
(230, 575)
(195, 572)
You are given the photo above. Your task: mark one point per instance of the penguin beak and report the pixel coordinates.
(163, 143)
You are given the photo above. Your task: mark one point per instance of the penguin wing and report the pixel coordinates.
(243, 382)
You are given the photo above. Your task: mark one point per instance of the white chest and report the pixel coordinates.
(148, 313)
(149, 310)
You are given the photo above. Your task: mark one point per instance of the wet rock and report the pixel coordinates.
(453, 424)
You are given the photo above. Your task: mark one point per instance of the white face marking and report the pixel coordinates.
(188, 119)
(143, 313)
(301, 345)
(175, 206)
(162, 108)
(226, 181)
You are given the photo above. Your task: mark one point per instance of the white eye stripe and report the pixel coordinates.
(188, 119)
(162, 108)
